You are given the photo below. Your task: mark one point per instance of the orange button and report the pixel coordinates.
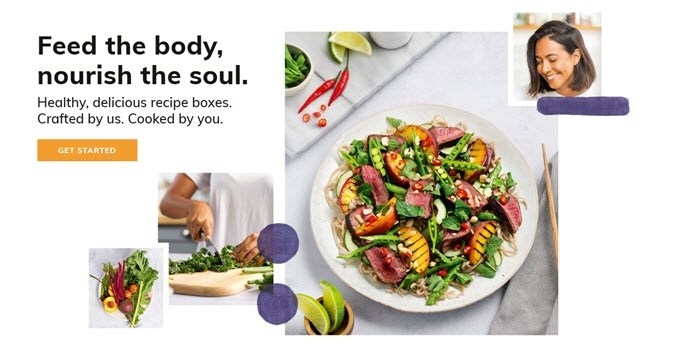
(86, 150)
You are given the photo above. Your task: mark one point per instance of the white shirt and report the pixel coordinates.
(240, 203)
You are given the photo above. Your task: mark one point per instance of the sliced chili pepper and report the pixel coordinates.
(384, 251)
(466, 249)
(325, 87)
(425, 143)
(322, 122)
(437, 162)
(389, 260)
(457, 247)
(323, 107)
(503, 199)
(464, 225)
(342, 82)
(442, 273)
(418, 186)
(461, 193)
(306, 117)
(371, 218)
(452, 172)
(317, 114)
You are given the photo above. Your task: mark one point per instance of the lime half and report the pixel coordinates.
(353, 41)
(314, 311)
(334, 304)
(337, 52)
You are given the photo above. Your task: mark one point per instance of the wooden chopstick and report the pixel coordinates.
(552, 213)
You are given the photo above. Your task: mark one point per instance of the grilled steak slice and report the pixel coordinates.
(388, 267)
(473, 198)
(371, 176)
(451, 236)
(355, 218)
(446, 135)
(420, 198)
(509, 211)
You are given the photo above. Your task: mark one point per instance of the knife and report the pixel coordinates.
(210, 247)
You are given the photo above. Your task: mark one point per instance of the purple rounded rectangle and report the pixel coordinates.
(589, 106)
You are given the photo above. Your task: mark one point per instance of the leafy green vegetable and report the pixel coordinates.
(485, 270)
(393, 144)
(451, 223)
(463, 278)
(364, 191)
(408, 210)
(295, 68)
(205, 261)
(264, 282)
(139, 272)
(394, 122)
(462, 210)
(510, 182)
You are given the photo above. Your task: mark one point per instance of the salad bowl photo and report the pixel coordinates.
(424, 208)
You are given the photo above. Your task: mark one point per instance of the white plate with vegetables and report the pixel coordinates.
(133, 279)
(428, 208)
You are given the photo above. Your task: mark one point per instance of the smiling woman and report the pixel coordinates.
(558, 61)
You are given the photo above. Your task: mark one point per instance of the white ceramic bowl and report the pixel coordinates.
(294, 50)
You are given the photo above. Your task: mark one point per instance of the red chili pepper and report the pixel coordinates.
(322, 122)
(442, 273)
(437, 162)
(384, 251)
(503, 199)
(389, 260)
(452, 172)
(425, 143)
(465, 225)
(371, 218)
(325, 87)
(418, 186)
(323, 107)
(306, 117)
(461, 193)
(466, 249)
(317, 114)
(341, 83)
(457, 247)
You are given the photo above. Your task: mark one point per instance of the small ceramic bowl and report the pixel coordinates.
(344, 329)
(294, 50)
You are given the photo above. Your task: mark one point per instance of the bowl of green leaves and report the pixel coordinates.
(297, 69)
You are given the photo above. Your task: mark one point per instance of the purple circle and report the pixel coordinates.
(278, 242)
(277, 304)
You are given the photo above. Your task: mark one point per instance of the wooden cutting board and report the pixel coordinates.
(211, 283)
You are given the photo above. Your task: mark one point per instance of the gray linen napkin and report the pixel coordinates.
(530, 303)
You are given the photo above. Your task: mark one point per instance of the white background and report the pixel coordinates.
(627, 239)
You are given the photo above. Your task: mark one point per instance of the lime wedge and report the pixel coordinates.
(336, 51)
(314, 311)
(334, 304)
(353, 41)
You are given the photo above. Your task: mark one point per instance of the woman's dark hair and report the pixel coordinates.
(571, 39)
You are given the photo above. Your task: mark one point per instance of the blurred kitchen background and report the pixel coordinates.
(525, 24)
(174, 231)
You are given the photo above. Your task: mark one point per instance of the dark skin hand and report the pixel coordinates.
(177, 204)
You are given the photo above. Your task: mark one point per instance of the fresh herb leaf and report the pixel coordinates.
(393, 144)
(365, 193)
(394, 122)
(429, 187)
(436, 192)
(510, 182)
(463, 278)
(462, 210)
(451, 223)
(408, 210)
(492, 245)
(448, 189)
(485, 270)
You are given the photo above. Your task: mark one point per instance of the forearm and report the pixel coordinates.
(176, 206)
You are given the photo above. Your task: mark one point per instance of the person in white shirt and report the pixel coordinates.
(558, 62)
(239, 207)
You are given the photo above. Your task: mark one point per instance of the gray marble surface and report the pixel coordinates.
(247, 297)
(464, 70)
(367, 75)
(98, 317)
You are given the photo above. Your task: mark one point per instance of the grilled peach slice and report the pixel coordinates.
(477, 244)
(348, 193)
(394, 164)
(417, 248)
(375, 225)
(427, 140)
(482, 155)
